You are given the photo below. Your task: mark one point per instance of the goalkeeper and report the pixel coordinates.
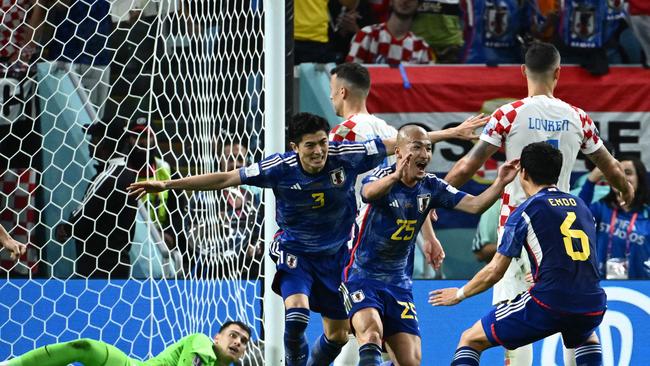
(228, 346)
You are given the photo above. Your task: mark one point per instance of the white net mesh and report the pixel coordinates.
(96, 94)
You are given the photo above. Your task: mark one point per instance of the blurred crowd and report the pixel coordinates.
(592, 33)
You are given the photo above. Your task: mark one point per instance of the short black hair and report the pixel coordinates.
(305, 123)
(641, 195)
(541, 57)
(242, 325)
(353, 73)
(542, 162)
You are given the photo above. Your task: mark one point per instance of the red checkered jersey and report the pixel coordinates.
(13, 27)
(374, 44)
(362, 127)
(534, 119)
(639, 7)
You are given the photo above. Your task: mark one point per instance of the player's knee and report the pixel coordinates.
(469, 338)
(339, 336)
(369, 336)
(414, 359)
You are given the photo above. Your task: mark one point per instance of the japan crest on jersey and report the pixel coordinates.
(292, 261)
(583, 21)
(496, 18)
(423, 202)
(337, 176)
(357, 296)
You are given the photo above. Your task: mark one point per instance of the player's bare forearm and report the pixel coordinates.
(465, 168)
(464, 131)
(488, 275)
(483, 280)
(480, 203)
(427, 229)
(375, 190)
(613, 172)
(206, 182)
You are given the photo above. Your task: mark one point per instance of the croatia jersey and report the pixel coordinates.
(384, 249)
(315, 212)
(534, 119)
(558, 232)
(362, 127)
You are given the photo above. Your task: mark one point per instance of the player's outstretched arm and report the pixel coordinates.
(203, 182)
(375, 190)
(480, 203)
(16, 248)
(611, 169)
(483, 280)
(464, 131)
(465, 168)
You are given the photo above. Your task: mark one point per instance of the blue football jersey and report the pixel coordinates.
(316, 211)
(559, 234)
(384, 250)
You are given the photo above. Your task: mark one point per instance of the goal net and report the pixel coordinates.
(97, 94)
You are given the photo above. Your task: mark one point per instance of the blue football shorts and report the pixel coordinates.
(522, 321)
(394, 304)
(316, 275)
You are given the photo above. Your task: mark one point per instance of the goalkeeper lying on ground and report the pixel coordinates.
(228, 346)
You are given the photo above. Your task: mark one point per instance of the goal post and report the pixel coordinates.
(194, 87)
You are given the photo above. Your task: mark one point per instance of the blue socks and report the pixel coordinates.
(324, 351)
(589, 354)
(370, 355)
(466, 356)
(295, 342)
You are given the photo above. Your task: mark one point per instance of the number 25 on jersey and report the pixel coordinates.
(405, 230)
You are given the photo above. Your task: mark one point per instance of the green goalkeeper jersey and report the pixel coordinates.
(193, 350)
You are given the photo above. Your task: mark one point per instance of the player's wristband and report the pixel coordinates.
(460, 294)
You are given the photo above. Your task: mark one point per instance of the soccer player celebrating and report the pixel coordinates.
(539, 117)
(377, 281)
(349, 88)
(316, 208)
(557, 230)
(227, 347)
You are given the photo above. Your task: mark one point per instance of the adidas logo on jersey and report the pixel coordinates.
(296, 187)
(394, 204)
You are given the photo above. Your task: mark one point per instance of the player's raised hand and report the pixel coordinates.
(467, 129)
(139, 189)
(444, 297)
(15, 248)
(402, 166)
(508, 171)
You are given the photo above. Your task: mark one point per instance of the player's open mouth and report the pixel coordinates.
(421, 165)
(234, 350)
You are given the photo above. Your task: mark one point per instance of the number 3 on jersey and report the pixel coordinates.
(319, 200)
(570, 234)
(405, 230)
